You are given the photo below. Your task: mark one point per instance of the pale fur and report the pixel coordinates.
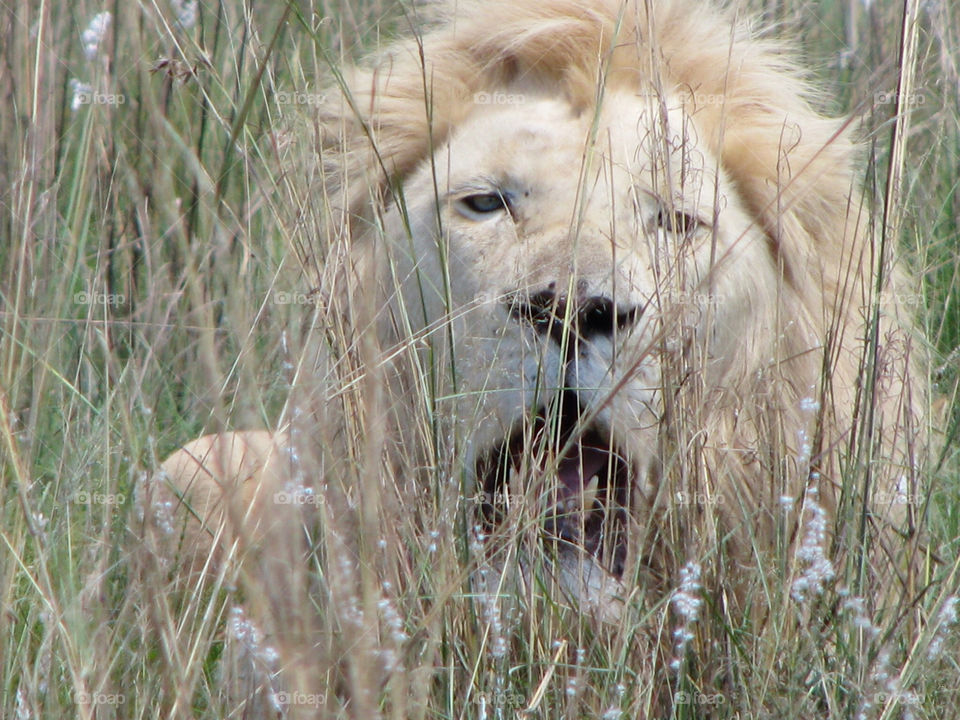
(716, 395)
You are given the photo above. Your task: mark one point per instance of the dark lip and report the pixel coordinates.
(560, 455)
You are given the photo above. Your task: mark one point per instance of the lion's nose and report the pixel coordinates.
(588, 317)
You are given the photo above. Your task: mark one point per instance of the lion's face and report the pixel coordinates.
(577, 264)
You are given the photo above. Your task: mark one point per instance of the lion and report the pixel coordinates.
(621, 257)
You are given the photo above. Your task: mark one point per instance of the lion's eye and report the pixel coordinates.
(678, 222)
(485, 203)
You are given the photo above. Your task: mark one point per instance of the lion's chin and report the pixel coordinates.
(572, 475)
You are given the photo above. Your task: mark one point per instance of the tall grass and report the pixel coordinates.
(158, 246)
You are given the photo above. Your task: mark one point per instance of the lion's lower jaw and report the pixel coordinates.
(586, 583)
(570, 577)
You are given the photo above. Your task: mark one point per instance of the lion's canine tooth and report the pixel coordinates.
(512, 488)
(590, 492)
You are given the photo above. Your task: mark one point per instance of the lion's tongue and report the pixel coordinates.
(580, 465)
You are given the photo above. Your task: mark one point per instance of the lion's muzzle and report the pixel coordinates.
(564, 318)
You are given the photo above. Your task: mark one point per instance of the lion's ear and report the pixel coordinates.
(792, 165)
(801, 187)
(383, 120)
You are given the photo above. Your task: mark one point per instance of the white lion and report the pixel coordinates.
(623, 259)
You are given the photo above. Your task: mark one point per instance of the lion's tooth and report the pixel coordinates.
(512, 486)
(590, 492)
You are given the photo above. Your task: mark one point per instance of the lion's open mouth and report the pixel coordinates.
(573, 477)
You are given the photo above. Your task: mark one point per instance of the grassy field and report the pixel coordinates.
(158, 240)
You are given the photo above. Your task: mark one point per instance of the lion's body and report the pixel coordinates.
(630, 227)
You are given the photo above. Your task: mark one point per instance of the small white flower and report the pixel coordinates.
(240, 628)
(946, 618)
(818, 569)
(23, 712)
(388, 659)
(803, 457)
(275, 703)
(809, 405)
(477, 539)
(686, 602)
(186, 12)
(392, 620)
(902, 491)
(494, 620)
(948, 613)
(82, 92)
(244, 631)
(94, 34)
(857, 606)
